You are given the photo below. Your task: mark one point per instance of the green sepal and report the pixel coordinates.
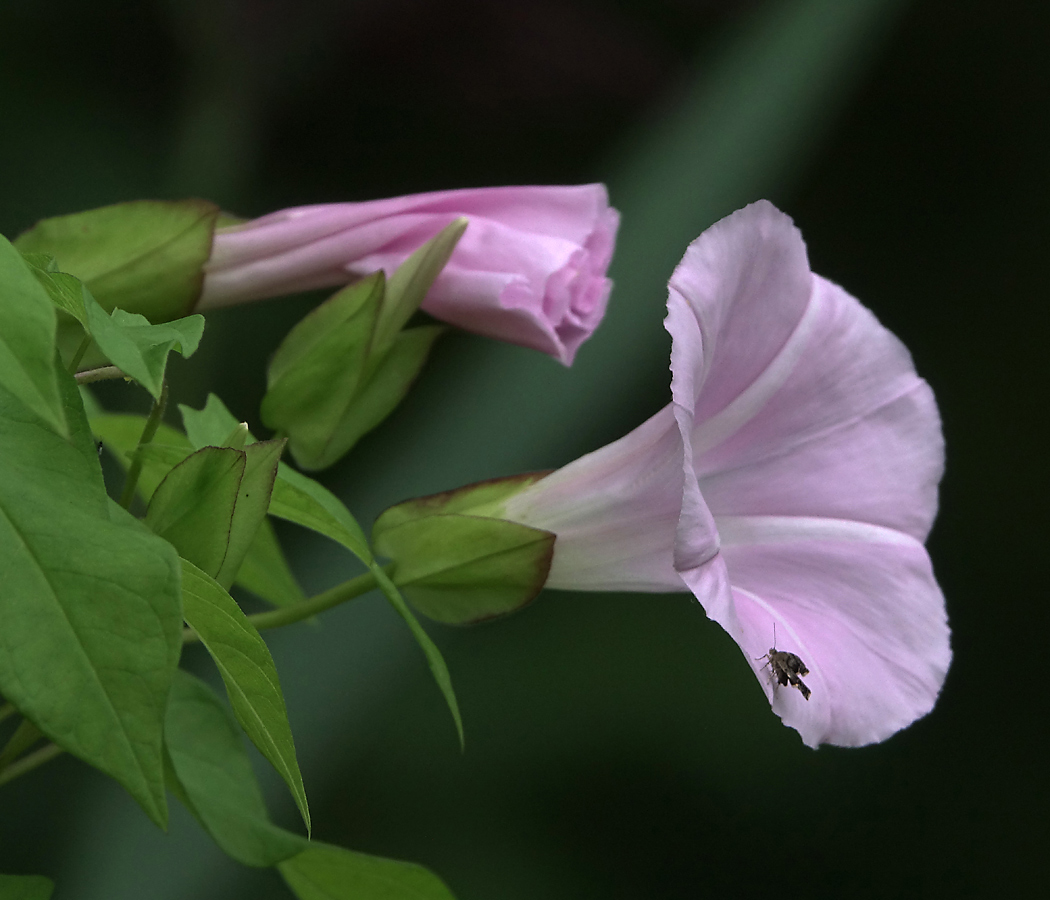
(264, 570)
(465, 569)
(27, 339)
(484, 498)
(456, 560)
(91, 606)
(408, 286)
(248, 671)
(253, 500)
(26, 887)
(387, 382)
(325, 872)
(345, 367)
(146, 256)
(193, 506)
(318, 370)
(211, 775)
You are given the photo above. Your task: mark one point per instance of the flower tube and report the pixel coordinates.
(530, 268)
(789, 485)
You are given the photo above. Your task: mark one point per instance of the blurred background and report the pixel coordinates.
(616, 745)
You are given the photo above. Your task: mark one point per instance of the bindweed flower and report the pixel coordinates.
(789, 485)
(529, 270)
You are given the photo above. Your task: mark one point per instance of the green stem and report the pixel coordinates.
(288, 615)
(6, 711)
(103, 373)
(152, 424)
(79, 355)
(29, 762)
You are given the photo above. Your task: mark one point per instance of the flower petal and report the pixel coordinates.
(614, 511)
(529, 270)
(846, 430)
(859, 605)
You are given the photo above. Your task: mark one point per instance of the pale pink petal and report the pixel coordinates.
(614, 511)
(858, 603)
(529, 270)
(801, 414)
(846, 430)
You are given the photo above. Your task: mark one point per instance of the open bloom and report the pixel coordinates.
(791, 482)
(529, 270)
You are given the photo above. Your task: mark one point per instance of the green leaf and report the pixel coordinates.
(347, 364)
(325, 872)
(435, 660)
(465, 569)
(146, 256)
(408, 286)
(302, 500)
(26, 887)
(90, 608)
(247, 669)
(209, 427)
(319, 367)
(27, 339)
(253, 499)
(140, 349)
(80, 436)
(66, 291)
(211, 774)
(193, 506)
(120, 433)
(388, 380)
(265, 571)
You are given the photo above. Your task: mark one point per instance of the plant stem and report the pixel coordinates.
(103, 373)
(79, 355)
(152, 424)
(6, 711)
(29, 762)
(288, 615)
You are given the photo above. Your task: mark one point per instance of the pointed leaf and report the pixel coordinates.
(210, 426)
(138, 348)
(247, 669)
(265, 571)
(435, 660)
(193, 506)
(146, 256)
(27, 339)
(306, 502)
(408, 286)
(388, 380)
(90, 609)
(253, 499)
(66, 291)
(26, 887)
(213, 777)
(325, 872)
(464, 569)
(318, 369)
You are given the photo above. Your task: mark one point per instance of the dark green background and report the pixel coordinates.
(616, 745)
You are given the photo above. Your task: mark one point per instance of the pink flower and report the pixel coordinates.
(529, 270)
(791, 482)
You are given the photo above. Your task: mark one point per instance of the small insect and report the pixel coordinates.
(786, 667)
